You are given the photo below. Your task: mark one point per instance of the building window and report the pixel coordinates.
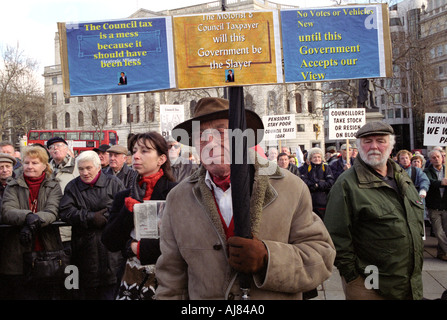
(94, 98)
(390, 114)
(80, 99)
(300, 128)
(398, 113)
(54, 121)
(298, 103)
(310, 107)
(95, 118)
(54, 80)
(67, 100)
(444, 92)
(129, 114)
(54, 98)
(192, 106)
(137, 112)
(67, 120)
(80, 119)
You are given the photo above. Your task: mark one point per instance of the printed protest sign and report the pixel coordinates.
(333, 43)
(228, 48)
(435, 129)
(344, 123)
(279, 127)
(119, 56)
(170, 116)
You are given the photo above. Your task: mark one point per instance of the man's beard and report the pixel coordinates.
(374, 158)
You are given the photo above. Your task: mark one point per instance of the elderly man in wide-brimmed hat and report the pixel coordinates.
(375, 217)
(290, 252)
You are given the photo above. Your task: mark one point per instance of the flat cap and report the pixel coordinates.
(55, 140)
(117, 149)
(102, 148)
(331, 148)
(4, 157)
(374, 128)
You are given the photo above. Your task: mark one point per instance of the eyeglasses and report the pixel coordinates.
(57, 146)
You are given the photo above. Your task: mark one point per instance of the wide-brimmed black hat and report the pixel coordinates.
(217, 108)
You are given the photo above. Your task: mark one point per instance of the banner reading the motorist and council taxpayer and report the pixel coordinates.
(228, 48)
(119, 56)
(334, 43)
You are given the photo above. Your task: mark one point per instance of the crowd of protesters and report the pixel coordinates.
(307, 214)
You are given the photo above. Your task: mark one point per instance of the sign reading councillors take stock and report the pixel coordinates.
(228, 48)
(333, 43)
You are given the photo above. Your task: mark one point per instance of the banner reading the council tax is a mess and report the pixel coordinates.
(119, 56)
(228, 48)
(333, 43)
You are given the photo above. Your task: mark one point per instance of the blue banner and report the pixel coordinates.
(120, 56)
(333, 43)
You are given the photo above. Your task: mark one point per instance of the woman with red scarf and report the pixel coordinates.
(30, 206)
(150, 159)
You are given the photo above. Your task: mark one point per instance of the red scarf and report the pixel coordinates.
(223, 183)
(150, 181)
(34, 186)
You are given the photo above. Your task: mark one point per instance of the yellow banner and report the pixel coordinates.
(228, 48)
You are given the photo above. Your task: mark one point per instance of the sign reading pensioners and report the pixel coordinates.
(435, 131)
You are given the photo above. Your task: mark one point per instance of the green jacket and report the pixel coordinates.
(371, 224)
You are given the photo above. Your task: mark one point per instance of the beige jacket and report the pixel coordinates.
(194, 263)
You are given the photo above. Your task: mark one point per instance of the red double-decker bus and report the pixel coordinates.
(80, 140)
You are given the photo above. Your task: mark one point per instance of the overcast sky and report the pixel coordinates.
(31, 24)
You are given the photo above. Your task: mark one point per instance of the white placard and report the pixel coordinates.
(344, 123)
(435, 129)
(279, 127)
(170, 116)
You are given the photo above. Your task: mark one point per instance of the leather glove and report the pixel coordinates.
(247, 255)
(26, 236)
(99, 220)
(33, 221)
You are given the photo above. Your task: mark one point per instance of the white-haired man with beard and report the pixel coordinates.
(375, 217)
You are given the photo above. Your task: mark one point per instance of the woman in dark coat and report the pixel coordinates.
(150, 159)
(30, 206)
(84, 206)
(318, 177)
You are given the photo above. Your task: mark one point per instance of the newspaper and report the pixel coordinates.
(147, 217)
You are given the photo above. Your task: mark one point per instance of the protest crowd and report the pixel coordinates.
(363, 205)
